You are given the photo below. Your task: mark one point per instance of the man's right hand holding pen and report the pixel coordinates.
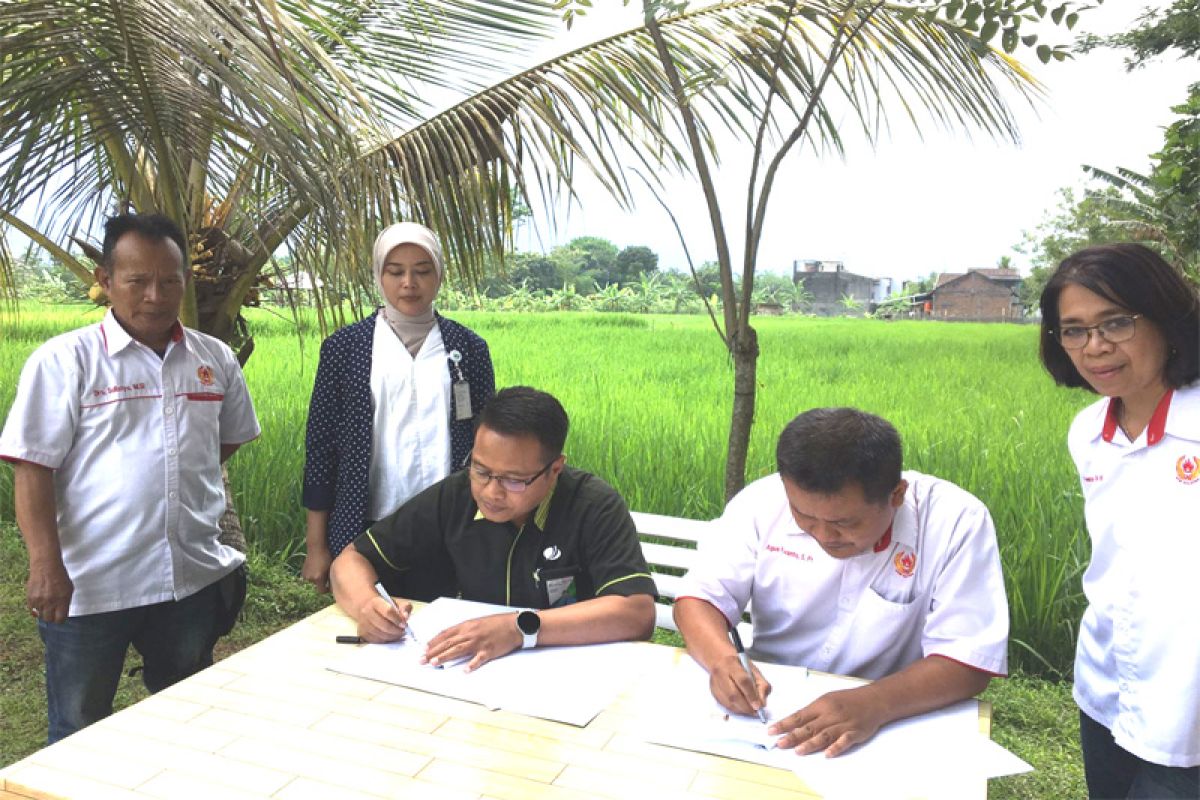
(380, 619)
(737, 684)
(740, 688)
(358, 591)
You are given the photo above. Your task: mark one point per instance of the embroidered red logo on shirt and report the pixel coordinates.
(1187, 469)
(1092, 478)
(772, 548)
(905, 562)
(205, 374)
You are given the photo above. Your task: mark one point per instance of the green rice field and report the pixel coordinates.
(649, 398)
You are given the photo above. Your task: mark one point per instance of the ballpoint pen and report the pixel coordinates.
(382, 592)
(408, 632)
(742, 657)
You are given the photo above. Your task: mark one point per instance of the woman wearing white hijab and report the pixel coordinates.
(394, 402)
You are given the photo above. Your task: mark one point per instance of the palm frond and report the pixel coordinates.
(605, 107)
(306, 122)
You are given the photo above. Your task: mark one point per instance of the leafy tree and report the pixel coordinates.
(543, 273)
(46, 281)
(568, 266)
(635, 260)
(537, 272)
(1156, 32)
(596, 260)
(934, 57)
(705, 281)
(1072, 225)
(1164, 206)
(1176, 177)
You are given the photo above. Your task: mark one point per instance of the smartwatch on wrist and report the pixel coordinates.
(529, 623)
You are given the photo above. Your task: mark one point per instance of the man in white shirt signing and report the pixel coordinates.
(852, 566)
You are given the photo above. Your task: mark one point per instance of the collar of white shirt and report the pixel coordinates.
(116, 338)
(1177, 415)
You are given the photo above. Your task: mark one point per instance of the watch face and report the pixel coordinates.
(528, 623)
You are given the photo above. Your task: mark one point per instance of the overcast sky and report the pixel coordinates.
(911, 207)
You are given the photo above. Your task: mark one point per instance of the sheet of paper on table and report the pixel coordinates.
(565, 684)
(940, 754)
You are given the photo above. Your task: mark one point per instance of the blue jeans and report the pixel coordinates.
(85, 654)
(1114, 772)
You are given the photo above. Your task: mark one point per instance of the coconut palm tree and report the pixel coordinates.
(253, 124)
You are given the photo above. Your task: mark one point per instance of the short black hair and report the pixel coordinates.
(155, 227)
(1136, 278)
(824, 450)
(525, 411)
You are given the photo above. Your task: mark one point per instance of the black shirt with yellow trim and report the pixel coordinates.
(579, 543)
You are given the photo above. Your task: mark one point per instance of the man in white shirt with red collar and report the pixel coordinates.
(849, 566)
(117, 435)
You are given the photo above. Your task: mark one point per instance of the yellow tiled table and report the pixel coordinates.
(272, 721)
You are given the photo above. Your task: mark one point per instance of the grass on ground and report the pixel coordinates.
(1035, 719)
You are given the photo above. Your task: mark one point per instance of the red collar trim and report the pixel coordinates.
(883, 543)
(1154, 430)
(1110, 420)
(1158, 420)
(177, 332)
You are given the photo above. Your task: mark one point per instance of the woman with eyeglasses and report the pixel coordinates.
(1120, 321)
(394, 403)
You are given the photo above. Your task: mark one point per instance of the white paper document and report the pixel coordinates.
(565, 684)
(940, 754)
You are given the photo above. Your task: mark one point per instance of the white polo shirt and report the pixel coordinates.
(931, 586)
(1137, 666)
(135, 444)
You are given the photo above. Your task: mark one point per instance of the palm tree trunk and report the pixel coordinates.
(231, 527)
(744, 349)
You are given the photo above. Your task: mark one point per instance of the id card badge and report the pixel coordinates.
(462, 400)
(557, 588)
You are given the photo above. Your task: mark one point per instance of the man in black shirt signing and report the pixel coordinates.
(517, 527)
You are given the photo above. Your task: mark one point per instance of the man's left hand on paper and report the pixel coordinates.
(834, 722)
(482, 640)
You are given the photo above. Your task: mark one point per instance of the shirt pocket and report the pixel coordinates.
(200, 417)
(885, 633)
(558, 586)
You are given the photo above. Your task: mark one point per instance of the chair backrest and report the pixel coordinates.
(669, 547)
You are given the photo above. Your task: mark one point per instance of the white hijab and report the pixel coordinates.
(411, 330)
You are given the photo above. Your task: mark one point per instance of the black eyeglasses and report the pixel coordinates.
(1113, 330)
(481, 477)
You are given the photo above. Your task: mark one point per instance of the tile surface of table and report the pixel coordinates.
(272, 721)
